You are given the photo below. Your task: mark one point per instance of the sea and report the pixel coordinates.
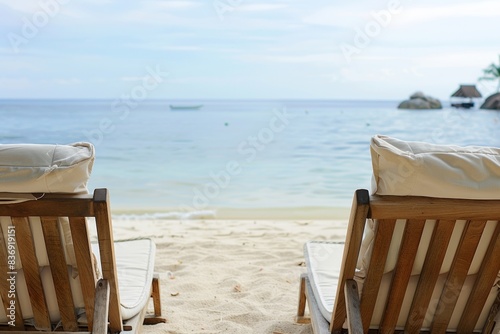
(247, 155)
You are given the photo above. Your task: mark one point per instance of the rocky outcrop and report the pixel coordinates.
(492, 102)
(420, 101)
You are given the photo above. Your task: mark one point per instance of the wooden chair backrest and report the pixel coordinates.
(76, 208)
(417, 211)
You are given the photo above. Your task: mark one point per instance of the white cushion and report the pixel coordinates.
(135, 268)
(39, 168)
(323, 261)
(423, 169)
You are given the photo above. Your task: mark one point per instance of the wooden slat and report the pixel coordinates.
(357, 221)
(59, 269)
(107, 253)
(381, 243)
(410, 207)
(354, 323)
(8, 291)
(101, 307)
(51, 205)
(85, 263)
(492, 316)
(402, 273)
(31, 272)
(457, 275)
(484, 282)
(429, 275)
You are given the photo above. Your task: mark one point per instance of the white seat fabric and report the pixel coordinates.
(323, 261)
(135, 268)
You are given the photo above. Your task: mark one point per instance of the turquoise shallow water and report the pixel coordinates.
(235, 154)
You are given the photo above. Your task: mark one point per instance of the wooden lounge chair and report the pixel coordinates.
(101, 297)
(52, 275)
(423, 264)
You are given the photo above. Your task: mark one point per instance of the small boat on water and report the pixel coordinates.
(185, 106)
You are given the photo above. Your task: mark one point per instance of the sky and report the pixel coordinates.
(245, 49)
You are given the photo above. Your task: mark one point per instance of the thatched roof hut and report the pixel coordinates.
(467, 91)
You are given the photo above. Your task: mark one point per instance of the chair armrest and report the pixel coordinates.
(354, 323)
(101, 307)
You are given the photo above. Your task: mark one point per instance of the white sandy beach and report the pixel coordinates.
(230, 276)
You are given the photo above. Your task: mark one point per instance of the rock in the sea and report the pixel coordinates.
(420, 101)
(492, 102)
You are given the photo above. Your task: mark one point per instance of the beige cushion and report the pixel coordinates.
(38, 168)
(423, 169)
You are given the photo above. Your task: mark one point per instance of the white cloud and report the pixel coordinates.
(67, 81)
(485, 9)
(426, 43)
(329, 58)
(335, 16)
(454, 59)
(352, 14)
(8, 65)
(21, 6)
(182, 48)
(260, 7)
(162, 45)
(173, 4)
(127, 79)
(10, 84)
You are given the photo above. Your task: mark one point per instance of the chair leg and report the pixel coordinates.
(155, 294)
(300, 318)
(156, 318)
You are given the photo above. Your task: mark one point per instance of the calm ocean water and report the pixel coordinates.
(235, 153)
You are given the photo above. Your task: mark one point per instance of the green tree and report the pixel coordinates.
(492, 73)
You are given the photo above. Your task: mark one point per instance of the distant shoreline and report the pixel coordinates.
(290, 213)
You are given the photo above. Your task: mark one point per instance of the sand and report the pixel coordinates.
(229, 276)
